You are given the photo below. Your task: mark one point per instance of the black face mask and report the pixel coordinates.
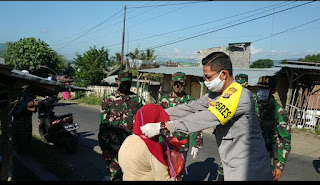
(124, 87)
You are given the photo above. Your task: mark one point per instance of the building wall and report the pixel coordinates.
(240, 54)
(206, 52)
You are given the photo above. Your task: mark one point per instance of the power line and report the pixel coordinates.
(121, 22)
(239, 19)
(182, 29)
(170, 43)
(169, 4)
(89, 30)
(287, 30)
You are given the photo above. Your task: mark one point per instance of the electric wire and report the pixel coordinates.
(89, 30)
(170, 43)
(286, 30)
(182, 29)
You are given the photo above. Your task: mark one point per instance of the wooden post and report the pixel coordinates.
(124, 23)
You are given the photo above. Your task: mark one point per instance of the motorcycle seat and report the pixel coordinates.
(63, 116)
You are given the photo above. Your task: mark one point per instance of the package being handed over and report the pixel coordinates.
(173, 157)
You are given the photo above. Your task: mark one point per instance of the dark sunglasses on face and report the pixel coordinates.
(179, 84)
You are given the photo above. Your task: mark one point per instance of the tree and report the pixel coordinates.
(284, 61)
(115, 60)
(147, 55)
(90, 66)
(262, 63)
(311, 58)
(29, 54)
(134, 55)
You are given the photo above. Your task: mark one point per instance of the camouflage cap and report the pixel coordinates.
(267, 81)
(179, 77)
(124, 76)
(241, 78)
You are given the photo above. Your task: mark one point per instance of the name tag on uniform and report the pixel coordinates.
(225, 107)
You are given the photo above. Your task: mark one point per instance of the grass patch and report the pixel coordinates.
(48, 155)
(91, 100)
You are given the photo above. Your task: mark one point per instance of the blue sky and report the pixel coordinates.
(71, 27)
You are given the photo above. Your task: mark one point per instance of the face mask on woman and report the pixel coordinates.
(215, 85)
(263, 94)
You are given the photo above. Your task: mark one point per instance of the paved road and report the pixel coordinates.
(90, 166)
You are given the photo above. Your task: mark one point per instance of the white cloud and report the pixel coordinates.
(312, 51)
(176, 53)
(44, 30)
(176, 50)
(255, 51)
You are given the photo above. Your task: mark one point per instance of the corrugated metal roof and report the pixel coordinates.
(298, 66)
(253, 73)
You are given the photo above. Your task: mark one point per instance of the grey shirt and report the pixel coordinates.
(241, 145)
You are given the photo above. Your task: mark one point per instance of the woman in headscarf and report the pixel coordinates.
(142, 158)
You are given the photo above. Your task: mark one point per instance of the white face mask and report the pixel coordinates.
(263, 94)
(215, 85)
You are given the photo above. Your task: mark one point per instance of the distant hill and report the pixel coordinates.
(3, 46)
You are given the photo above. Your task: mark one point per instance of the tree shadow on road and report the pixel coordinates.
(198, 171)
(316, 165)
(64, 104)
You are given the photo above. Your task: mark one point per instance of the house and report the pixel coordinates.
(301, 96)
(195, 85)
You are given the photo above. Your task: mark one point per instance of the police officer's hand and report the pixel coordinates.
(194, 151)
(277, 174)
(151, 129)
(106, 155)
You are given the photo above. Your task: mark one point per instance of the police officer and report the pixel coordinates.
(243, 80)
(175, 97)
(274, 122)
(117, 116)
(230, 108)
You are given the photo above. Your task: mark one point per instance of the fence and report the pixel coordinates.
(302, 115)
(102, 91)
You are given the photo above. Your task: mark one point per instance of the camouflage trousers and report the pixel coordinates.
(114, 169)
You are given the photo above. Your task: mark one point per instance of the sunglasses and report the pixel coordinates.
(179, 84)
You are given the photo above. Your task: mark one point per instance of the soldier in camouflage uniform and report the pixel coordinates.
(179, 96)
(243, 80)
(274, 122)
(117, 115)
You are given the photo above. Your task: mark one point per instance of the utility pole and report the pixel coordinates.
(124, 23)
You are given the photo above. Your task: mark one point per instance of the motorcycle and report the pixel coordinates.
(57, 129)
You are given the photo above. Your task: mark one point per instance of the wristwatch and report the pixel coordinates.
(163, 129)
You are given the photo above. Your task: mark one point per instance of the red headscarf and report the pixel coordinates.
(151, 114)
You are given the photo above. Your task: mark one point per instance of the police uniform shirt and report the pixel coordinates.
(240, 141)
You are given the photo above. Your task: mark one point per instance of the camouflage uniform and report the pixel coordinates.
(169, 100)
(117, 116)
(241, 78)
(275, 125)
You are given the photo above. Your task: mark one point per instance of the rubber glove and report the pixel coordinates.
(194, 151)
(151, 129)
